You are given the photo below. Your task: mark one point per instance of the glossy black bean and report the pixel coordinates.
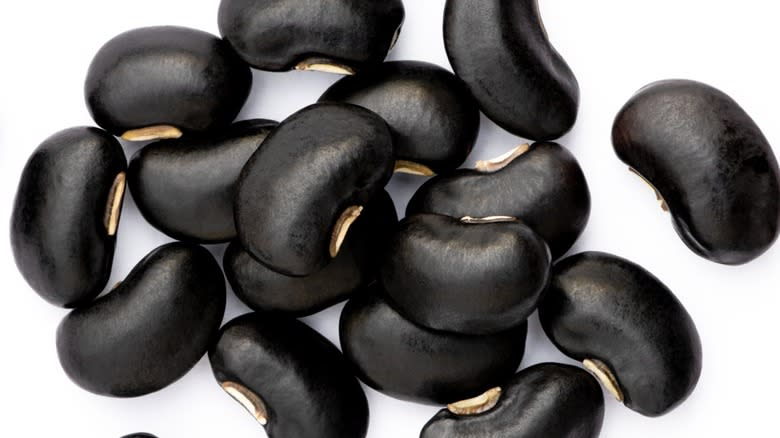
(356, 265)
(301, 191)
(140, 435)
(289, 377)
(186, 187)
(66, 213)
(434, 118)
(157, 82)
(500, 49)
(627, 327)
(340, 36)
(542, 185)
(151, 329)
(408, 361)
(546, 400)
(471, 276)
(710, 165)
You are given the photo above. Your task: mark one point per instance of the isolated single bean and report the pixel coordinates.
(289, 377)
(546, 400)
(434, 118)
(471, 276)
(542, 184)
(159, 82)
(710, 165)
(66, 214)
(337, 36)
(408, 361)
(500, 49)
(186, 187)
(140, 435)
(356, 266)
(299, 194)
(627, 327)
(151, 329)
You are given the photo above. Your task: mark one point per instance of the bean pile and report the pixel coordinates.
(438, 302)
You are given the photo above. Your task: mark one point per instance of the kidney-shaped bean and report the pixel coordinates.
(546, 400)
(186, 187)
(542, 184)
(500, 49)
(301, 191)
(471, 276)
(289, 377)
(408, 361)
(151, 329)
(339, 36)
(627, 327)
(66, 214)
(158, 82)
(710, 165)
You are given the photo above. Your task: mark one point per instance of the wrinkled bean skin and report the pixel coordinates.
(544, 187)
(292, 191)
(410, 362)
(603, 307)
(151, 329)
(709, 162)
(166, 75)
(434, 118)
(59, 226)
(546, 400)
(277, 35)
(263, 289)
(186, 187)
(465, 278)
(500, 49)
(302, 379)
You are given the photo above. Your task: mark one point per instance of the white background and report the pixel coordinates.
(613, 46)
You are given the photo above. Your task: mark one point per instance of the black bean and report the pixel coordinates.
(543, 185)
(157, 82)
(546, 400)
(434, 118)
(301, 191)
(356, 265)
(470, 276)
(289, 377)
(66, 213)
(186, 187)
(709, 164)
(500, 49)
(140, 435)
(627, 327)
(339, 36)
(151, 329)
(407, 361)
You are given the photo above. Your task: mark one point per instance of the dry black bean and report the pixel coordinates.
(151, 329)
(541, 184)
(186, 187)
(500, 49)
(66, 214)
(411, 362)
(301, 191)
(158, 82)
(627, 327)
(264, 289)
(469, 275)
(289, 377)
(546, 400)
(434, 118)
(710, 165)
(340, 36)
